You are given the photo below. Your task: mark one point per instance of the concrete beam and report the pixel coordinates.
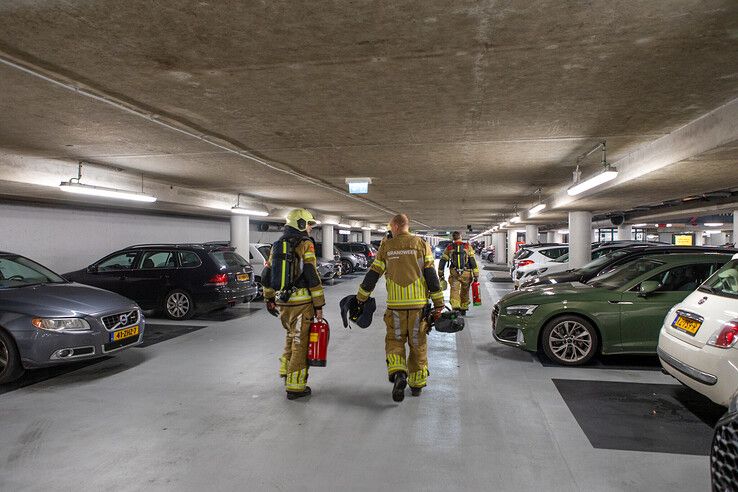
(716, 128)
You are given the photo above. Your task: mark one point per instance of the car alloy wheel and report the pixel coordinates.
(347, 267)
(4, 356)
(10, 363)
(178, 305)
(570, 341)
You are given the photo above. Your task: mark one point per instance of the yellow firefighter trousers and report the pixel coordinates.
(293, 363)
(460, 284)
(406, 326)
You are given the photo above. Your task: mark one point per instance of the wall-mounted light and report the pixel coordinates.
(74, 186)
(250, 210)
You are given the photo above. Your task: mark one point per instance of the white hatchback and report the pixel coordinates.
(697, 343)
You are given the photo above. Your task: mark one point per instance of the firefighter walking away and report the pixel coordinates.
(406, 261)
(293, 292)
(463, 270)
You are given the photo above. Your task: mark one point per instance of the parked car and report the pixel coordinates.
(561, 264)
(612, 260)
(697, 344)
(440, 247)
(176, 279)
(620, 312)
(258, 257)
(46, 320)
(488, 253)
(724, 450)
(367, 250)
(536, 255)
(350, 262)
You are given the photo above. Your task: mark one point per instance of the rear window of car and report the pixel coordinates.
(523, 254)
(265, 251)
(724, 282)
(343, 247)
(228, 259)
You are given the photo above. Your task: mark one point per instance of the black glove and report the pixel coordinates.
(272, 308)
(356, 311)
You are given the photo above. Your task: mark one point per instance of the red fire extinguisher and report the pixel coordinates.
(320, 333)
(476, 296)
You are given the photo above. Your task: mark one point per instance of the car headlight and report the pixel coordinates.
(521, 310)
(61, 324)
(436, 249)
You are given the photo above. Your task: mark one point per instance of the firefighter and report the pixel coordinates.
(463, 270)
(407, 262)
(297, 303)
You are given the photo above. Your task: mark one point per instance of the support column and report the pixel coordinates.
(551, 236)
(531, 234)
(625, 232)
(500, 242)
(580, 238)
(367, 237)
(699, 239)
(512, 238)
(327, 252)
(240, 238)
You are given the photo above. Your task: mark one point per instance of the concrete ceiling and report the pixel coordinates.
(458, 110)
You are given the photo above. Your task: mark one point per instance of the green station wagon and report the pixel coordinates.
(617, 313)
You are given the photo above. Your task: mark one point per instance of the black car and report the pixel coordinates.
(367, 250)
(177, 279)
(442, 245)
(611, 260)
(724, 450)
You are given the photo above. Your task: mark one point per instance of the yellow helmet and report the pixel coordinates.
(299, 218)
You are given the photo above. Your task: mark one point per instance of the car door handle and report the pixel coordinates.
(626, 303)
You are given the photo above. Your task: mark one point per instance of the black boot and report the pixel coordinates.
(294, 395)
(462, 312)
(398, 390)
(416, 391)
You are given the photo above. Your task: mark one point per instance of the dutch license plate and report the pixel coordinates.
(686, 324)
(242, 277)
(124, 333)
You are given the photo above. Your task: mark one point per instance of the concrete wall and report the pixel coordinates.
(66, 239)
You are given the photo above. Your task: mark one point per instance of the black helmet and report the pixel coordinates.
(361, 315)
(450, 322)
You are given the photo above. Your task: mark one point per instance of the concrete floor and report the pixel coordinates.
(206, 411)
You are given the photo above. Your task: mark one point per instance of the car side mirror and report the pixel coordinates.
(648, 287)
(92, 269)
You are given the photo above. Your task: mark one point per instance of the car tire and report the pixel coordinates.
(259, 289)
(569, 340)
(178, 305)
(10, 363)
(346, 267)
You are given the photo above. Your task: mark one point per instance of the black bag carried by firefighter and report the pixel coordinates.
(458, 256)
(449, 322)
(283, 268)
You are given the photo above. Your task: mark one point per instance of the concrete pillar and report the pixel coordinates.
(512, 238)
(625, 232)
(327, 252)
(595, 235)
(531, 234)
(240, 234)
(367, 236)
(580, 238)
(500, 242)
(551, 236)
(487, 241)
(699, 239)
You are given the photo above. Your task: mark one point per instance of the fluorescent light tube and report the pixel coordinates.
(594, 181)
(713, 224)
(515, 219)
(247, 211)
(640, 225)
(82, 189)
(536, 209)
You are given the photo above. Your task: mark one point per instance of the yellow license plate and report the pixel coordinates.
(242, 277)
(686, 324)
(124, 333)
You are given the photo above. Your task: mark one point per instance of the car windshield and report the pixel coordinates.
(626, 273)
(562, 259)
(724, 282)
(228, 260)
(595, 265)
(17, 271)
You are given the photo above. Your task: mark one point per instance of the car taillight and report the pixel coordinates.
(218, 279)
(523, 263)
(726, 336)
(371, 254)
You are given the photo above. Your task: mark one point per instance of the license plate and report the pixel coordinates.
(124, 333)
(687, 325)
(242, 277)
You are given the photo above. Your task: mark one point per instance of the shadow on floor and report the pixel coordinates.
(227, 314)
(623, 362)
(663, 418)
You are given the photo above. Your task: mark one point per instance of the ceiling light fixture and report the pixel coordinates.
(713, 224)
(608, 174)
(515, 219)
(358, 186)
(74, 186)
(239, 210)
(365, 228)
(537, 208)
(345, 226)
(640, 225)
